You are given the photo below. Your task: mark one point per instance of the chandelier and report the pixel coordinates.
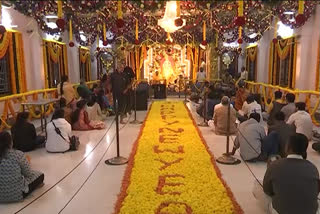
(171, 14)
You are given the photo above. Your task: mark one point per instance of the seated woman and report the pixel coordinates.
(17, 180)
(24, 134)
(94, 110)
(81, 121)
(55, 143)
(67, 109)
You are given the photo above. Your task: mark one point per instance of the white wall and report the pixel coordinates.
(307, 52)
(308, 37)
(32, 39)
(32, 48)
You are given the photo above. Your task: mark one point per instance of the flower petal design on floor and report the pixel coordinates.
(171, 169)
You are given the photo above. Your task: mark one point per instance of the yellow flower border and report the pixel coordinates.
(163, 180)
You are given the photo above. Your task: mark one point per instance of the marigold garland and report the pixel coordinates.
(171, 170)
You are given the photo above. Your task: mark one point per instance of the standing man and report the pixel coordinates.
(129, 76)
(201, 78)
(118, 82)
(244, 74)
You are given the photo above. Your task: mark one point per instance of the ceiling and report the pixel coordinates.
(88, 17)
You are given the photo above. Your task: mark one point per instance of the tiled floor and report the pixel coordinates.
(80, 182)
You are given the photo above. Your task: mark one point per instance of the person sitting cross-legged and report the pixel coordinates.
(93, 109)
(251, 140)
(55, 143)
(220, 118)
(291, 185)
(283, 130)
(290, 108)
(66, 108)
(302, 120)
(275, 107)
(249, 107)
(17, 179)
(24, 134)
(80, 119)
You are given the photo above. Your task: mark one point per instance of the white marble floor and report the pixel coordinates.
(80, 182)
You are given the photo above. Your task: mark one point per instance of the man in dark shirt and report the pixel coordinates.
(118, 82)
(128, 92)
(293, 182)
(284, 131)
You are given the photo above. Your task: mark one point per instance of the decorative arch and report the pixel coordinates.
(12, 70)
(85, 63)
(251, 62)
(282, 63)
(55, 62)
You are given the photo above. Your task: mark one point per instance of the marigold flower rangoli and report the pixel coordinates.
(171, 170)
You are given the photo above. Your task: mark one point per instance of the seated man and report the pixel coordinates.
(220, 118)
(292, 182)
(283, 130)
(302, 120)
(249, 107)
(290, 108)
(275, 106)
(250, 140)
(212, 100)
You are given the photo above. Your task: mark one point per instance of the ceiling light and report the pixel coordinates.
(6, 19)
(51, 16)
(83, 37)
(52, 25)
(284, 31)
(251, 36)
(289, 13)
(170, 15)
(232, 44)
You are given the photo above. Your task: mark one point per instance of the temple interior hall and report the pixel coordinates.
(159, 107)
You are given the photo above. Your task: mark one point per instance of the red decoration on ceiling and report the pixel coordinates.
(71, 44)
(60, 23)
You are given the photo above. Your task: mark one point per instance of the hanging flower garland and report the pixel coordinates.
(29, 7)
(229, 36)
(222, 16)
(85, 6)
(293, 20)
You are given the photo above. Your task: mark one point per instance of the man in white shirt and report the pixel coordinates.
(302, 120)
(249, 107)
(201, 76)
(244, 74)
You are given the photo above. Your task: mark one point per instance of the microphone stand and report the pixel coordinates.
(135, 121)
(227, 158)
(118, 160)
